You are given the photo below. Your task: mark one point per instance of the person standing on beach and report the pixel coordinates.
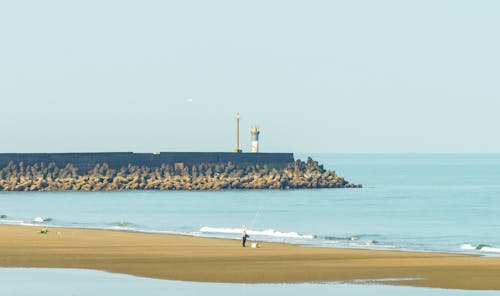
(244, 236)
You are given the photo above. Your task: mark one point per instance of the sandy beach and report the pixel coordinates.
(177, 257)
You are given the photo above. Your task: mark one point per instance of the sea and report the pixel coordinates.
(416, 202)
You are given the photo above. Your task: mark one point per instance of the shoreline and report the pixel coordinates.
(190, 258)
(236, 238)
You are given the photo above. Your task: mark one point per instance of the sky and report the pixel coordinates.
(330, 76)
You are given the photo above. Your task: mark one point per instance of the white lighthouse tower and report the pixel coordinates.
(255, 138)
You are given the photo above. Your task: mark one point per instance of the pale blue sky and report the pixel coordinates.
(317, 76)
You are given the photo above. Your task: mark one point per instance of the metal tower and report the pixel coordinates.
(237, 149)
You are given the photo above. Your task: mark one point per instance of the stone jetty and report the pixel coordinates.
(16, 176)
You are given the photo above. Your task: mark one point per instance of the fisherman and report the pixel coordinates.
(244, 236)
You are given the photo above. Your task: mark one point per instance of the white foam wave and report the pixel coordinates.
(41, 220)
(481, 247)
(490, 250)
(20, 222)
(467, 247)
(267, 232)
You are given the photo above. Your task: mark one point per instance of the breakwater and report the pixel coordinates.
(116, 160)
(162, 171)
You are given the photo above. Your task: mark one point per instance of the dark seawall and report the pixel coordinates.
(116, 160)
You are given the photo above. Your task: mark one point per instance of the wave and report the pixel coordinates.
(480, 247)
(121, 224)
(128, 226)
(14, 222)
(267, 232)
(337, 238)
(41, 220)
(490, 250)
(467, 247)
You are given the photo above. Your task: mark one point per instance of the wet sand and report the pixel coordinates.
(177, 257)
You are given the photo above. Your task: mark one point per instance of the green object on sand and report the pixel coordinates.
(43, 231)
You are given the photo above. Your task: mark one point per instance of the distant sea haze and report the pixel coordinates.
(420, 202)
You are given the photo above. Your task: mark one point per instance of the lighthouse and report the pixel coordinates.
(255, 138)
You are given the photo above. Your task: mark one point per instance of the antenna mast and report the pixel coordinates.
(237, 149)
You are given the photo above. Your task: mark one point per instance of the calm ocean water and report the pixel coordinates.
(424, 202)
